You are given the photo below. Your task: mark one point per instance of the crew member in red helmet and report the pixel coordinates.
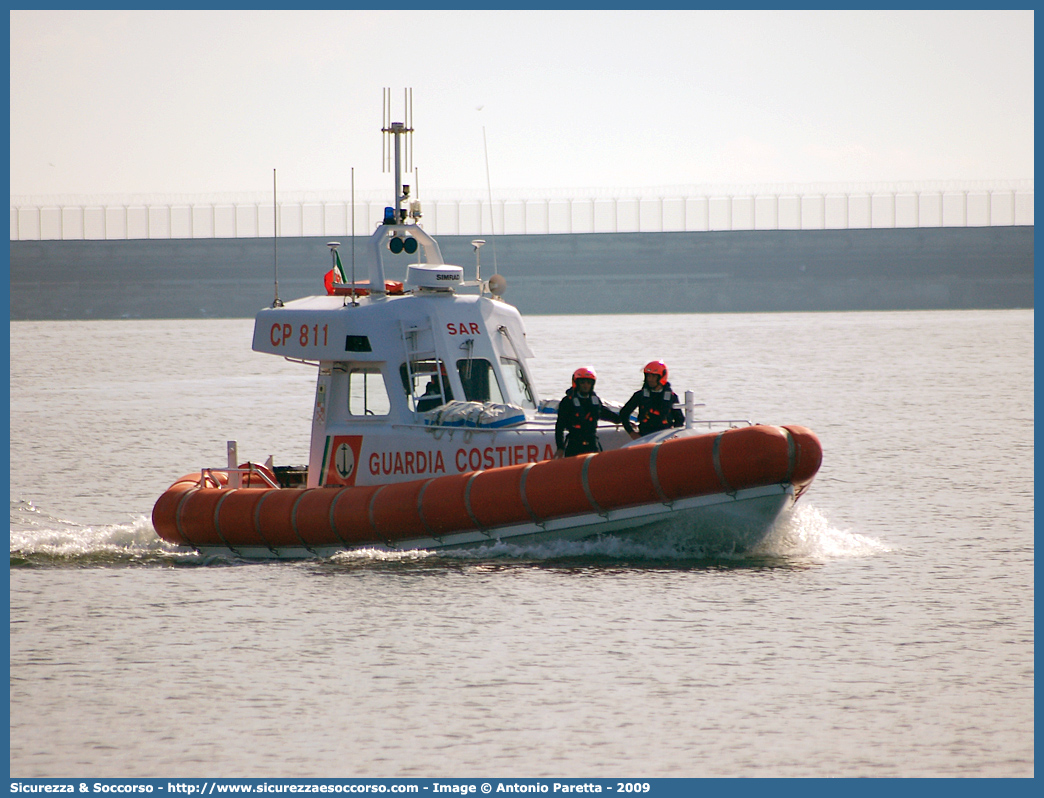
(576, 430)
(656, 403)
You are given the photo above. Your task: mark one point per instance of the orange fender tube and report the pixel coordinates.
(395, 510)
(443, 505)
(808, 456)
(752, 456)
(555, 488)
(167, 514)
(165, 511)
(351, 514)
(623, 477)
(495, 497)
(195, 517)
(312, 517)
(688, 469)
(678, 468)
(236, 517)
(274, 517)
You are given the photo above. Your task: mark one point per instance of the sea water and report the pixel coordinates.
(885, 628)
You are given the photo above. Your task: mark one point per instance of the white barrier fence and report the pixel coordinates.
(999, 204)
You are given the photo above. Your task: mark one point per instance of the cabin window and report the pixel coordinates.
(357, 343)
(518, 389)
(425, 384)
(367, 395)
(479, 380)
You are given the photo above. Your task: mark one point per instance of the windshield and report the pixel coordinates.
(518, 389)
(479, 380)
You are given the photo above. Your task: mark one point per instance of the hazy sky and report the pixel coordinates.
(198, 102)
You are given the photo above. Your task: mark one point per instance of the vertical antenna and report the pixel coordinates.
(277, 302)
(353, 236)
(384, 126)
(489, 187)
(416, 196)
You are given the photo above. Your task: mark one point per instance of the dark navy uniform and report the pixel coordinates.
(576, 430)
(656, 410)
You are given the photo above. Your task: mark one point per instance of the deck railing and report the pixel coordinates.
(832, 207)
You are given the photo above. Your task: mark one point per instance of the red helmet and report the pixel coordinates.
(658, 368)
(583, 374)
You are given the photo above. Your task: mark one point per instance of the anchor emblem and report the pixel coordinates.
(344, 461)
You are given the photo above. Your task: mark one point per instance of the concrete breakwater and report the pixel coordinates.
(736, 271)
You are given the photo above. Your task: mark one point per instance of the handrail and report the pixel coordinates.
(731, 422)
(251, 468)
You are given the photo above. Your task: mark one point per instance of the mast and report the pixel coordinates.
(394, 131)
(277, 302)
(397, 233)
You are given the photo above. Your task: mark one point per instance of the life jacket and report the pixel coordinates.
(654, 409)
(585, 416)
(582, 421)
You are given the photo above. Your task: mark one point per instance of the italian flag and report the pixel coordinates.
(339, 276)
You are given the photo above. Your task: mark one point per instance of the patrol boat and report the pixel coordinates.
(428, 432)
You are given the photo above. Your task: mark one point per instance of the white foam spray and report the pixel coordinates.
(802, 535)
(38, 536)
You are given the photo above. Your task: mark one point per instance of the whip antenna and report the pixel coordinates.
(489, 187)
(385, 124)
(277, 302)
(353, 236)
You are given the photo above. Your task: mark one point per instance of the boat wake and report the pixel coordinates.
(801, 537)
(804, 533)
(39, 538)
